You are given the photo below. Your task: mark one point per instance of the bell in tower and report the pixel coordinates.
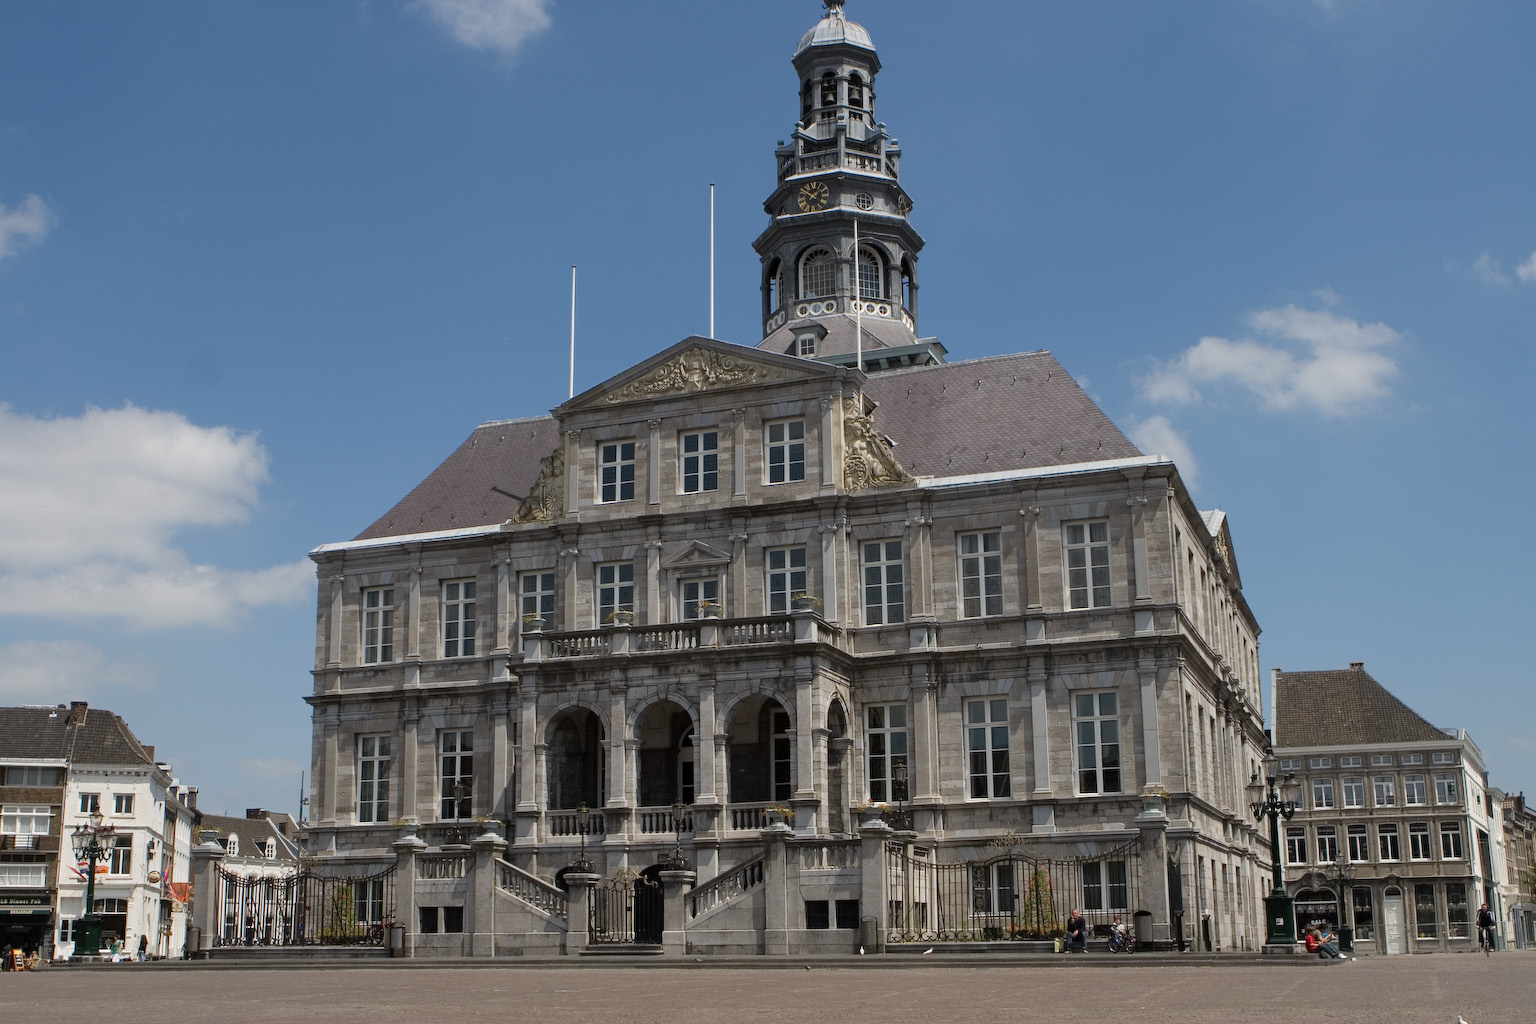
(839, 259)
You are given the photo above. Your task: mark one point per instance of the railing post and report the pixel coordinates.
(206, 857)
(674, 887)
(406, 861)
(487, 847)
(874, 836)
(578, 905)
(776, 892)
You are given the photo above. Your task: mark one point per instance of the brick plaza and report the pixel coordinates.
(1403, 990)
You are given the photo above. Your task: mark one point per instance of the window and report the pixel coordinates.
(700, 453)
(615, 590)
(993, 890)
(1322, 793)
(1456, 909)
(1104, 886)
(981, 574)
(871, 280)
(1359, 843)
(886, 744)
(373, 762)
(616, 472)
(26, 870)
(1414, 790)
(1295, 845)
(536, 591)
(232, 845)
(90, 803)
(1413, 759)
(1381, 760)
(368, 901)
(786, 578)
(269, 849)
(1322, 762)
(1096, 723)
(122, 803)
(1443, 757)
(807, 345)
(378, 625)
(1088, 565)
(457, 777)
(1450, 840)
(120, 860)
(1354, 792)
(1386, 792)
(1418, 841)
(783, 759)
(1327, 844)
(1445, 788)
(31, 775)
(25, 819)
(1424, 911)
(847, 913)
(67, 930)
(695, 593)
(427, 920)
(786, 451)
(1290, 764)
(1349, 762)
(818, 915)
(986, 741)
(818, 274)
(458, 618)
(884, 586)
(1386, 837)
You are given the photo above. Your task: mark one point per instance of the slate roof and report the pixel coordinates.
(480, 484)
(102, 738)
(979, 416)
(253, 833)
(990, 415)
(1343, 707)
(842, 335)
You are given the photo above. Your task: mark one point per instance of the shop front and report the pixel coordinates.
(26, 922)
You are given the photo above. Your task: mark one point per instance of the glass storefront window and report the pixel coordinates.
(1456, 909)
(1425, 920)
(1363, 916)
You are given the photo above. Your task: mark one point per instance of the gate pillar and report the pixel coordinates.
(206, 894)
(776, 890)
(406, 848)
(674, 887)
(487, 847)
(578, 909)
(874, 836)
(1153, 897)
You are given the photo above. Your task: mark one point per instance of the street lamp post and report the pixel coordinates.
(92, 842)
(1344, 870)
(679, 819)
(899, 790)
(582, 863)
(1274, 797)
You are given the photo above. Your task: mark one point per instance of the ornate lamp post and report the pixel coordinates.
(679, 819)
(92, 842)
(1274, 797)
(899, 790)
(1344, 870)
(582, 863)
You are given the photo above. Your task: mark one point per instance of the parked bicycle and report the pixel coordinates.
(1120, 939)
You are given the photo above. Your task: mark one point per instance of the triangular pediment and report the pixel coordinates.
(696, 553)
(1221, 537)
(694, 366)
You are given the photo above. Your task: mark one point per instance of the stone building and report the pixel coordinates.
(1393, 837)
(757, 606)
(1517, 844)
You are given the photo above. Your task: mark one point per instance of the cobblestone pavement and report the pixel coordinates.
(1403, 990)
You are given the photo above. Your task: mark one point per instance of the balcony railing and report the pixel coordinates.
(671, 636)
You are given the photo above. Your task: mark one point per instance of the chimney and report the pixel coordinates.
(151, 752)
(77, 710)
(192, 798)
(1358, 666)
(255, 812)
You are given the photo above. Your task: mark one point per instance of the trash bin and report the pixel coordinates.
(1142, 925)
(1346, 939)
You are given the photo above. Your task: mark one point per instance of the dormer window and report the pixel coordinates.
(806, 345)
(270, 850)
(232, 846)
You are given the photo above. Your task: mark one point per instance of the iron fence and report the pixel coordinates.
(304, 909)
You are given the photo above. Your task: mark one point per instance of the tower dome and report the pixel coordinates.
(834, 28)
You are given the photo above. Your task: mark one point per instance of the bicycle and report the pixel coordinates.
(1121, 942)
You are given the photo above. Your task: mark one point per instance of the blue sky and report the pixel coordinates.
(262, 266)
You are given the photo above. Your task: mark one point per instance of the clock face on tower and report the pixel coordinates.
(813, 196)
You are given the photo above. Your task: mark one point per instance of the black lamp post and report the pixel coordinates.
(1274, 797)
(899, 791)
(582, 864)
(1344, 870)
(92, 842)
(679, 819)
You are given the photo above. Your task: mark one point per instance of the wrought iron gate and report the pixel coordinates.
(304, 909)
(627, 909)
(1010, 896)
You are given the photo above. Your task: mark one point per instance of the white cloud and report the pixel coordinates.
(1308, 359)
(1487, 269)
(1156, 436)
(59, 671)
(1527, 270)
(89, 508)
(27, 222)
(501, 26)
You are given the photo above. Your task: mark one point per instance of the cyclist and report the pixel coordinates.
(1485, 925)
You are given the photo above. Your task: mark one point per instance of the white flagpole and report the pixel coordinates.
(711, 259)
(573, 331)
(858, 311)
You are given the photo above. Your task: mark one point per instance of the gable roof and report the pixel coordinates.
(1342, 707)
(253, 833)
(988, 415)
(79, 734)
(34, 732)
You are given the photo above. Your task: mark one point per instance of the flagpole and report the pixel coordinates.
(711, 259)
(858, 311)
(573, 331)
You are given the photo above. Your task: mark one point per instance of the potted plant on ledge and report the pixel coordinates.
(803, 602)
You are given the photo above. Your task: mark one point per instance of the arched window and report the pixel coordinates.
(818, 274)
(907, 287)
(870, 277)
(856, 90)
(771, 289)
(829, 90)
(806, 92)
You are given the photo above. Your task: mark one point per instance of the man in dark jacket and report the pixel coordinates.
(1077, 933)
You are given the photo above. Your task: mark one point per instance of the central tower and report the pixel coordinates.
(824, 296)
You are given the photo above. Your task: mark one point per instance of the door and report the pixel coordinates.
(650, 906)
(1392, 921)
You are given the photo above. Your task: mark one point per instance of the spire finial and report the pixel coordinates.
(834, 6)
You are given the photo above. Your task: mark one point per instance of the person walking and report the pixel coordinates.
(143, 947)
(1485, 924)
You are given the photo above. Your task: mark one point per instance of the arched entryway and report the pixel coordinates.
(666, 764)
(578, 761)
(760, 751)
(838, 745)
